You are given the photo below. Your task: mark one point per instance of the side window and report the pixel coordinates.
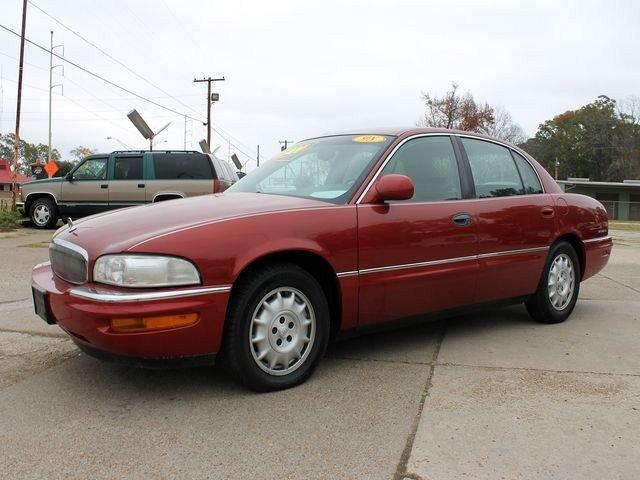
(431, 164)
(91, 169)
(529, 177)
(182, 166)
(128, 168)
(493, 169)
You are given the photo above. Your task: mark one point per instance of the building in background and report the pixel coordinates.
(5, 176)
(621, 199)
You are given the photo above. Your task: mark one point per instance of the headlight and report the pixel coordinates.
(145, 271)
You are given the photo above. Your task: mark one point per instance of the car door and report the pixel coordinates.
(86, 190)
(127, 185)
(418, 255)
(515, 220)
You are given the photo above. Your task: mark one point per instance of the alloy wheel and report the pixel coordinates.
(561, 282)
(282, 331)
(41, 214)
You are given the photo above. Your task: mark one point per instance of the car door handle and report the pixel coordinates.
(547, 212)
(462, 219)
(104, 185)
(141, 185)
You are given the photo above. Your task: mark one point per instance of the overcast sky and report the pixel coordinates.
(295, 69)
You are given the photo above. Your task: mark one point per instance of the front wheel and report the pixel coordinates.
(557, 292)
(278, 328)
(43, 213)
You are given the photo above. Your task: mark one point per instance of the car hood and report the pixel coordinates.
(122, 229)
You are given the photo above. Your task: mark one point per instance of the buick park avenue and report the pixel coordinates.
(336, 235)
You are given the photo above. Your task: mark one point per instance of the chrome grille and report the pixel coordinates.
(68, 261)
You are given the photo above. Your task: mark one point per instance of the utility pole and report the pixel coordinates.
(210, 99)
(258, 157)
(16, 146)
(52, 86)
(284, 144)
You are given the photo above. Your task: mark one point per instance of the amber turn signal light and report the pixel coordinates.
(141, 324)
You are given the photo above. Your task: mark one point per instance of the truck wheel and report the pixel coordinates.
(558, 290)
(278, 328)
(43, 213)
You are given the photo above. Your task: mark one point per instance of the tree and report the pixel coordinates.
(597, 141)
(80, 152)
(504, 128)
(28, 152)
(463, 112)
(459, 112)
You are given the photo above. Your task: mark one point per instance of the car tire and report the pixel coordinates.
(559, 286)
(277, 328)
(43, 213)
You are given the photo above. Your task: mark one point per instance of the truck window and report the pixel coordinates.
(182, 166)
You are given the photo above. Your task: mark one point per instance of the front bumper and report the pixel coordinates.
(84, 312)
(20, 208)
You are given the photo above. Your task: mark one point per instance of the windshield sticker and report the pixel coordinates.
(292, 150)
(369, 139)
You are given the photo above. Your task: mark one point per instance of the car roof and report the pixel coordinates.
(408, 131)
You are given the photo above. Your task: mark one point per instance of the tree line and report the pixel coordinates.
(38, 153)
(600, 140)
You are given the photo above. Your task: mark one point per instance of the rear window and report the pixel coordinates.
(182, 166)
(529, 177)
(493, 168)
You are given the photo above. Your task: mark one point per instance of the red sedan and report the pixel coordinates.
(333, 236)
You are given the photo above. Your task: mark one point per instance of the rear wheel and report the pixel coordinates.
(278, 328)
(558, 290)
(43, 213)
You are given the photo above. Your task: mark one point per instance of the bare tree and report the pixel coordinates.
(504, 128)
(456, 111)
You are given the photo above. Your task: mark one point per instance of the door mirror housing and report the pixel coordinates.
(69, 177)
(393, 187)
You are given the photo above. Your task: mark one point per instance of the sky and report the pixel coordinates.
(297, 69)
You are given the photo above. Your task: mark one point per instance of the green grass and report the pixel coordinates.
(628, 226)
(8, 219)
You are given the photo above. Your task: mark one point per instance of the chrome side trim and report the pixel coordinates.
(451, 260)
(599, 239)
(112, 297)
(72, 246)
(417, 265)
(347, 274)
(512, 252)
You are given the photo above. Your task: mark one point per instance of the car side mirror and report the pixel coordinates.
(69, 177)
(393, 187)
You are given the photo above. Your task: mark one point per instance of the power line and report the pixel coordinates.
(99, 77)
(107, 54)
(124, 89)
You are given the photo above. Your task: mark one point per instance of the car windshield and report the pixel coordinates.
(327, 168)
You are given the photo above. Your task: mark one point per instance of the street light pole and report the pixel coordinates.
(210, 100)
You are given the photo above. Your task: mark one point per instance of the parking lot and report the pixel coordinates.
(485, 395)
